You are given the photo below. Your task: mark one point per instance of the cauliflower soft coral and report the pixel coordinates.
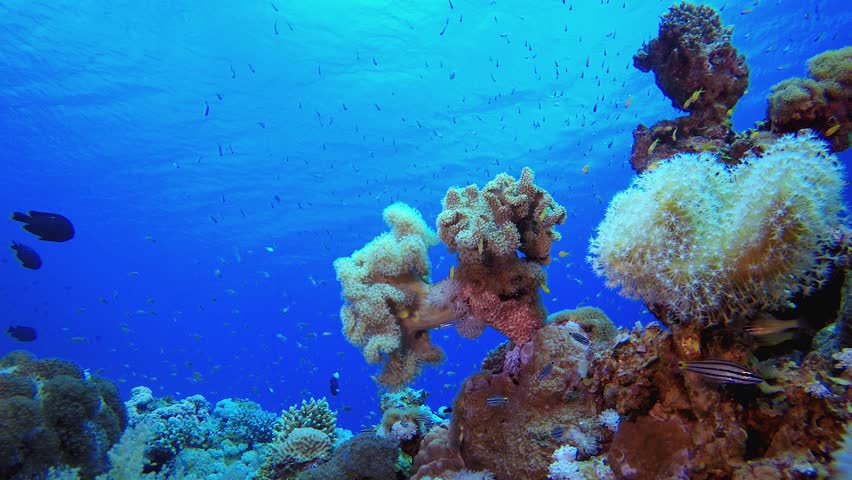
(385, 286)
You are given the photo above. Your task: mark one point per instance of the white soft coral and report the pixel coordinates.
(565, 466)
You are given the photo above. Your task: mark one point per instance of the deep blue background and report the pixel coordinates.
(349, 107)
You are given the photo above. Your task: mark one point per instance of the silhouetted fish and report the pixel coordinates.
(22, 333)
(334, 384)
(28, 257)
(51, 227)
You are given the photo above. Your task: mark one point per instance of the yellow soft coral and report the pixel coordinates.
(706, 242)
(385, 286)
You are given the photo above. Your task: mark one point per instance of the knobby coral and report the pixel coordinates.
(385, 285)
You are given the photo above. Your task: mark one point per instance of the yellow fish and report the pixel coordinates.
(452, 272)
(692, 98)
(674, 135)
(543, 286)
(653, 145)
(563, 254)
(653, 166)
(831, 131)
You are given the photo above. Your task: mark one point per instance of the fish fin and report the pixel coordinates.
(32, 230)
(34, 213)
(21, 217)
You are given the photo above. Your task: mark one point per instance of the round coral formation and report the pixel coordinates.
(305, 444)
(707, 242)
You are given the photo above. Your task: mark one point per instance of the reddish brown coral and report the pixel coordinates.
(693, 53)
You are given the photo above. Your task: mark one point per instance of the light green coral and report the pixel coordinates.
(305, 444)
(707, 242)
(310, 414)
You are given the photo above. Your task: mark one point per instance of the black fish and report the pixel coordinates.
(22, 334)
(28, 257)
(52, 227)
(333, 384)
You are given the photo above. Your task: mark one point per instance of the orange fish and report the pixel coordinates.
(629, 102)
(585, 168)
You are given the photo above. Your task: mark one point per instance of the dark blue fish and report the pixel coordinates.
(206, 108)
(51, 227)
(334, 384)
(580, 338)
(27, 256)
(545, 371)
(22, 333)
(722, 371)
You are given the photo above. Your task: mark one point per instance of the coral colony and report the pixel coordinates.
(725, 236)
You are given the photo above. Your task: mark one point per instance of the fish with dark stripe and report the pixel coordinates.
(722, 371)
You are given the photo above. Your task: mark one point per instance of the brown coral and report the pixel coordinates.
(822, 103)
(507, 215)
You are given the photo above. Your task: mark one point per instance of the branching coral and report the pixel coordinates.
(705, 242)
(385, 286)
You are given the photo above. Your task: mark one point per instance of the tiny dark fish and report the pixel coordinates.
(374, 61)
(27, 256)
(251, 67)
(722, 371)
(22, 333)
(51, 227)
(275, 27)
(220, 149)
(580, 338)
(206, 108)
(557, 432)
(334, 384)
(545, 372)
(496, 401)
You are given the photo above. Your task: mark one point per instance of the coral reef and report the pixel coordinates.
(712, 243)
(822, 103)
(390, 303)
(385, 285)
(546, 405)
(54, 415)
(365, 456)
(492, 285)
(697, 67)
(169, 438)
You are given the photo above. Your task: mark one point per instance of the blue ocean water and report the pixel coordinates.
(216, 157)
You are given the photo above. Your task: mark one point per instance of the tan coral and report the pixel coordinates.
(385, 285)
